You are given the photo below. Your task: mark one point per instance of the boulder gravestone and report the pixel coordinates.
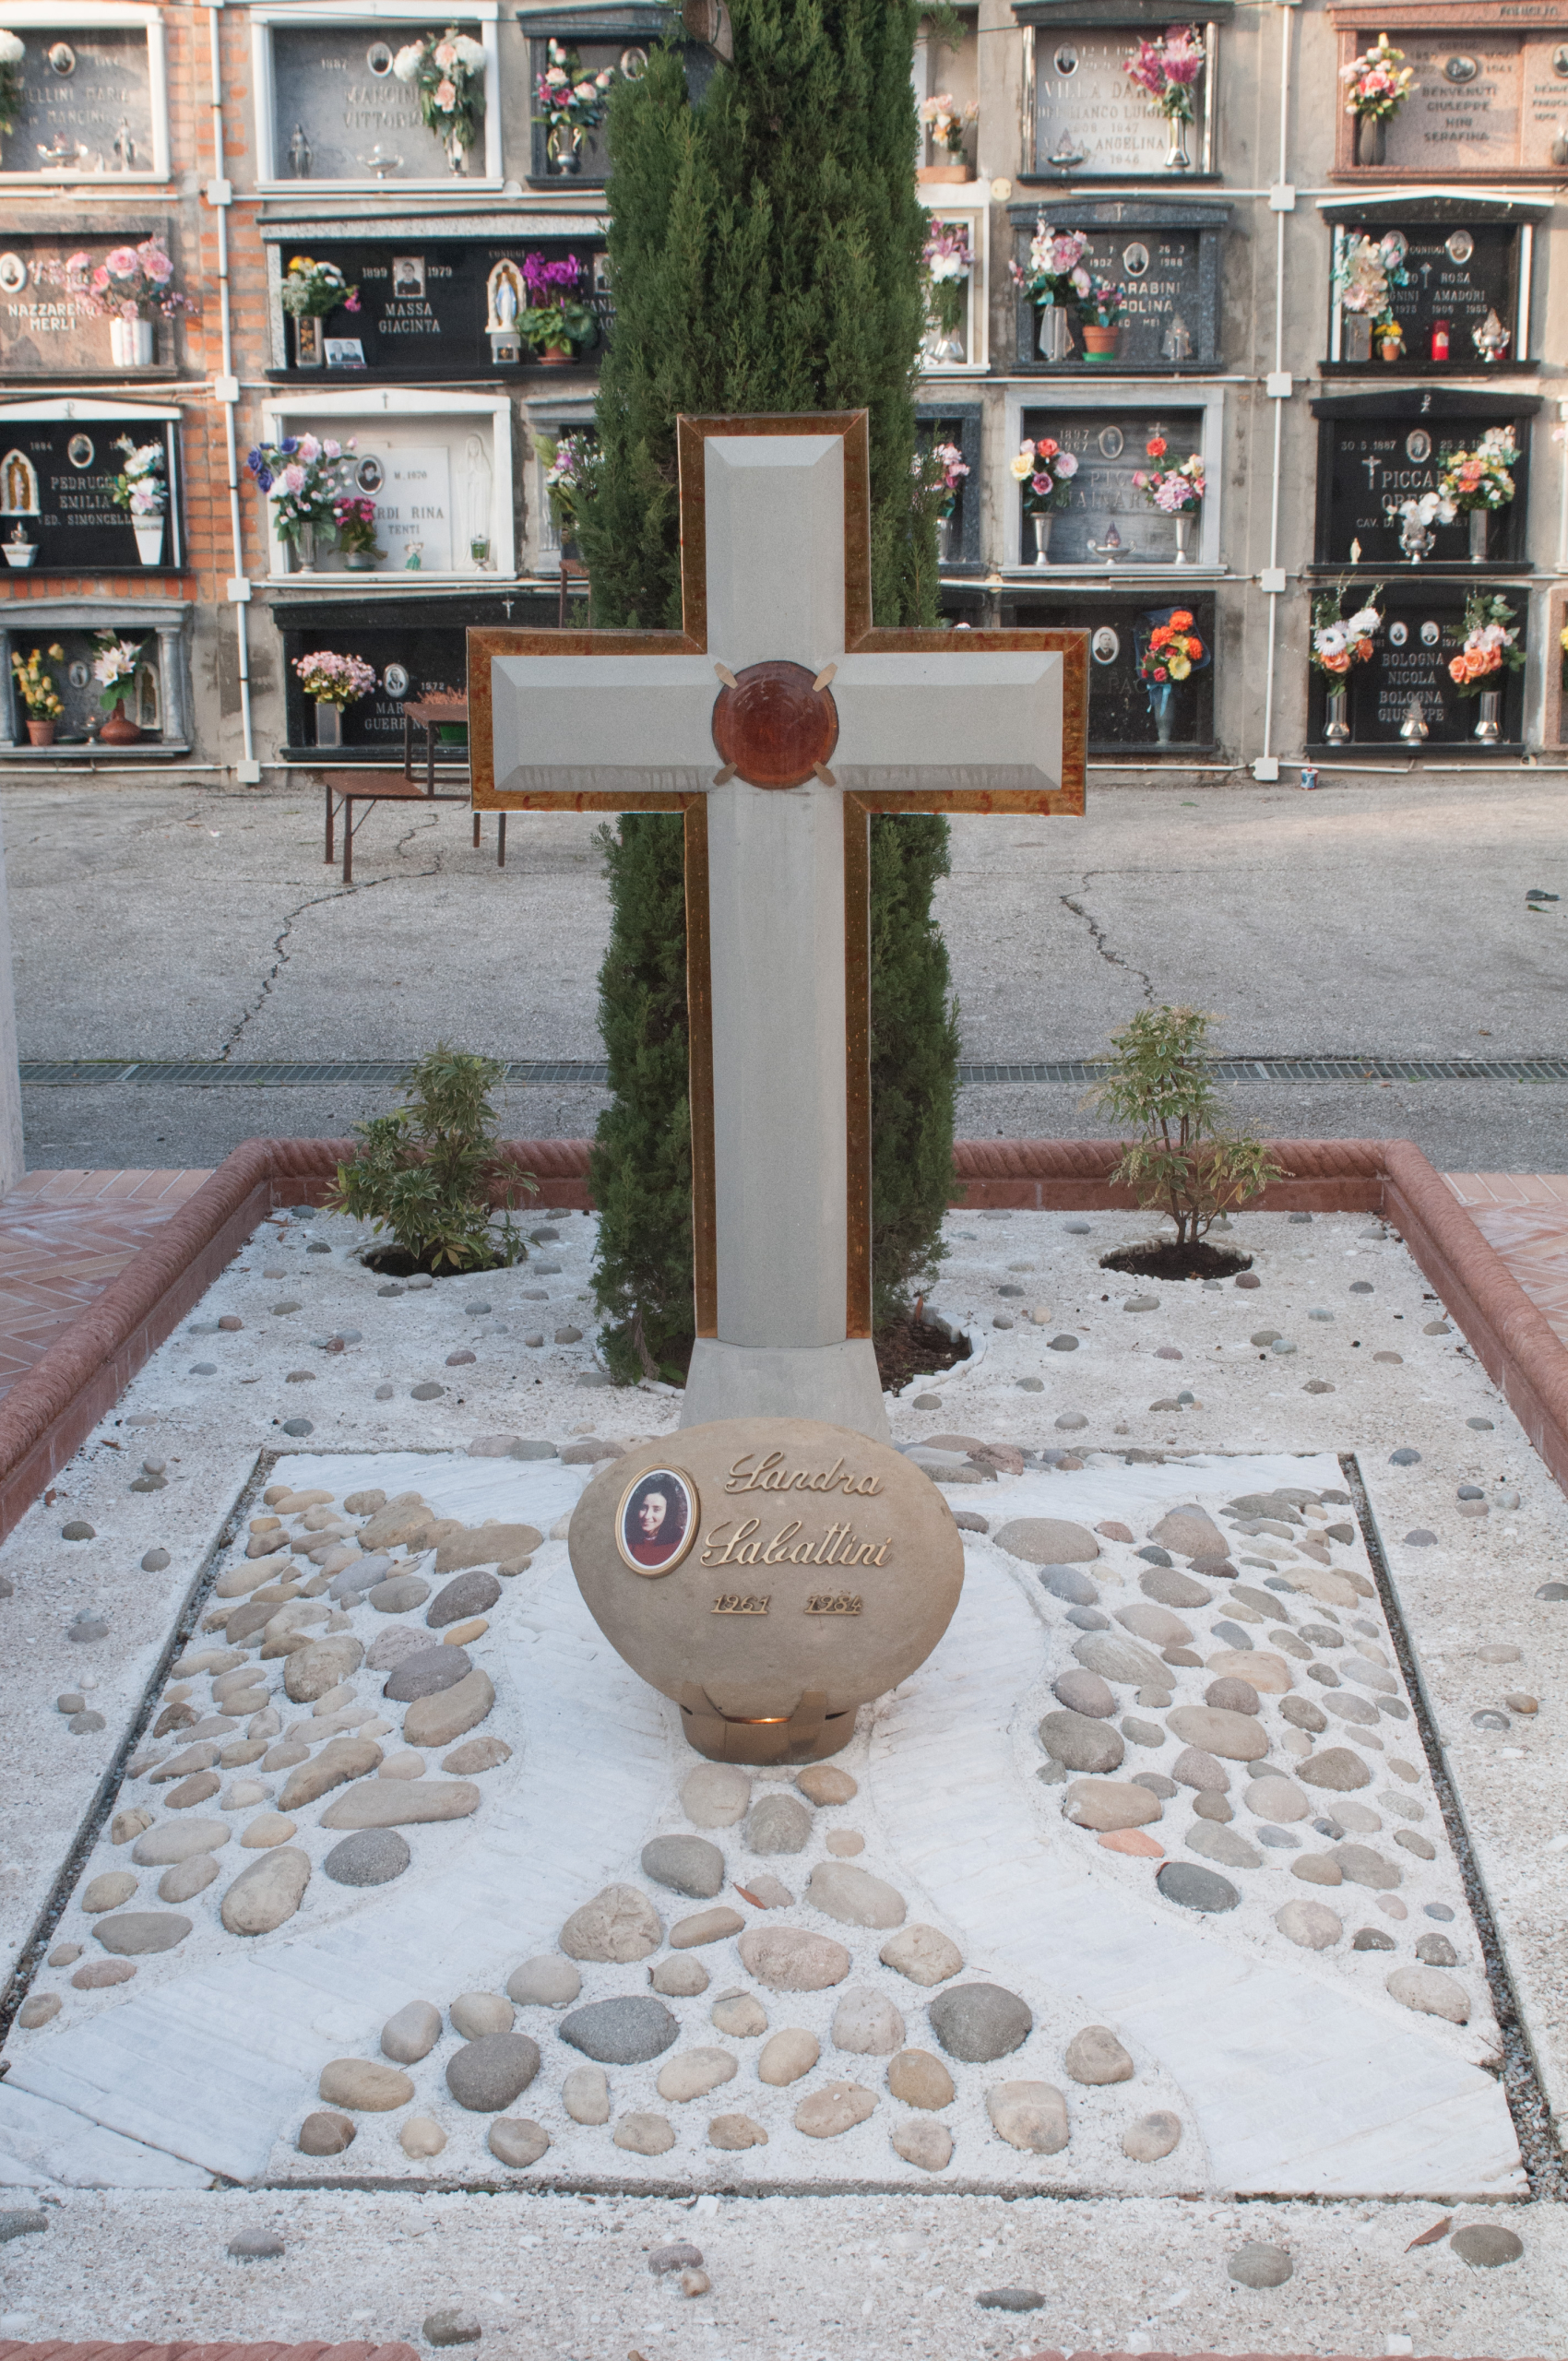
(769, 1575)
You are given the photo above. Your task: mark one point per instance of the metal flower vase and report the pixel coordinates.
(1489, 729)
(1371, 139)
(946, 540)
(1179, 159)
(328, 724)
(565, 148)
(1055, 332)
(1183, 540)
(304, 549)
(1162, 704)
(1337, 730)
(1480, 518)
(1042, 525)
(945, 350)
(457, 154)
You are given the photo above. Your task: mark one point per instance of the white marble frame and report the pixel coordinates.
(72, 406)
(97, 16)
(554, 416)
(1153, 393)
(953, 204)
(371, 13)
(373, 405)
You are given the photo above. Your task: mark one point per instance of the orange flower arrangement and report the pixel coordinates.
(1173, 649)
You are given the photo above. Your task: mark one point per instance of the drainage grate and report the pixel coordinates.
(590, 1073)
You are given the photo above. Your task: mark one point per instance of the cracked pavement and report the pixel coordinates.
(154, 922)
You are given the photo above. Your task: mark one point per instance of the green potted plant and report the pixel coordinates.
(354, 515)
(555, 320)
(37, 689)
(1100, 318)
(430, 1172)
(1184, 1161)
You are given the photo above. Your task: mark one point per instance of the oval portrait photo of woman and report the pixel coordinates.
(657, 1521)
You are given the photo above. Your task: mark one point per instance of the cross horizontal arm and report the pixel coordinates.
(916, 722)
(621, 726)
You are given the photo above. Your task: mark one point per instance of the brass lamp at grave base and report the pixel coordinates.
(769, 1576)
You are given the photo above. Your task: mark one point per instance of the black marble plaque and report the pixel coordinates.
(1165, 258)
(1424, 627)
(1373, 448)
(1120, 715)
(423, 307)
(341, 113)
(86, 101)
(958, 424)
(418, 647)
(1457, 273)
(66, 467)
(1110, 446)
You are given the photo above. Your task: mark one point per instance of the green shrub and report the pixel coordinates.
(1185, 1163)
(430, 1172)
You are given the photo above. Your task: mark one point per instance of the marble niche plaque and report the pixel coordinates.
(55, 480)
(1089, 118)
(1424, 627)
(1457, 273)
(423, 303)
(43, 332)
(1166, 259)
(341, 113)
(1372, 449)
(1120, 714)
(85, 101)
(1490, 93)
(1105, 518)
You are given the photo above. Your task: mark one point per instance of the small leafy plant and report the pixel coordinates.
(429, 1171)
(1185, 1162)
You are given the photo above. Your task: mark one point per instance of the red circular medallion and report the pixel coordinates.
(773, 726)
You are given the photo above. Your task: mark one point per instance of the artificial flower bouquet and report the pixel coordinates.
(1175, 491)
(571, 464)
(947, 121)
(331, 678)
(1055, 272)
(446, 71)
(948, 259)
(313, 289)
(13, 49)
(1339, 640)
(1103, 306)
(1492, 646)
(1482, 477)
(353, 518)
(303, 478)
(567, 98)
(1044, 470)
(35, 682)
(1167, 71)
(141, 487)
(554, 317)
(1365, 272)
(114, 667)
(130, 283)
(939, 472)
(1173, 651)
(1377, 83)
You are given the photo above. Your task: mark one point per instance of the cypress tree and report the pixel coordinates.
(765, 251)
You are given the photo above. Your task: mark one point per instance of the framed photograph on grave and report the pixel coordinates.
(1488, 102)
(956, 428)
(1124, 717)
(62, 466)
(433, 306)
(656, 1521)
(1101, 520)
(438, 467)
(958, 341)
(1403, 698)
(1088, 118)
(1432, 285)
(1162, 257)
(1383, 462)
(416, 645)
(330, 105)
(93, 93)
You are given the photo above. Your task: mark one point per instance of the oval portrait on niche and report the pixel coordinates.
(79, 451)
(1397, 634)
(656, 1521)
(1066, 60)
(1134, 259)
(1560, 61)
(378, 58)
(369, 474)
(62, 58)
(1460, 246)
(1106, 644)
(13, 274)
(1460, 69)
(395, 679)
(1430, 634)
(1112, 441)
(1418, 446)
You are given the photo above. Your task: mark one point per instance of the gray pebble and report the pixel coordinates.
(477, 1310)
(1155, 1556)
(1071, 1423)
(1197, 1889)
(680, 2256)
(1077, 1228)
(628, 2031)
(1361, 1286)
(419, 1282)
(1404, 1457)
(778, 1823)
(371, 1856)
(426, 1672)
(1486, 2245)
(155, 1561)
(1419, 1538)
(1371, 1938)
(393, 1287)
(204, 1368)
(1266, 1834)
(486, 2075)
(427, 1390)
(21, 2225)
(89, 1626)
(79, 1530)
(319, 1246)
(1014, 2299)
(1438, 1910)
(979, 2021)
(1260, 2266)
(1490, 1721)
(1062, 1344)
(1031, 1385)
(1482, 1426)
(1084, 1745)
(83, 1724)
(1436, 1951)
(469, 1594)
(1066, 1582)
(256, 2245)
(686, 1864)
(1088, 1619)
(453, 2326)
(298, 1427)
(1142, 1733)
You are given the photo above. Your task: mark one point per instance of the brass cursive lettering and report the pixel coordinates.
(839, 1545)
(772, 1477)
(843, 1602)
(732, 1602)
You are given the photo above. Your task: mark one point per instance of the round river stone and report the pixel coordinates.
(623, 2031)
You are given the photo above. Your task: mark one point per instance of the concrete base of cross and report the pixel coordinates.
(838, 1383)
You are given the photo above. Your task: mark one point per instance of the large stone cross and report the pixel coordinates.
(777, 721)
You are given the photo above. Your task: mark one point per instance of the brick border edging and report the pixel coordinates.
(49, 1413)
